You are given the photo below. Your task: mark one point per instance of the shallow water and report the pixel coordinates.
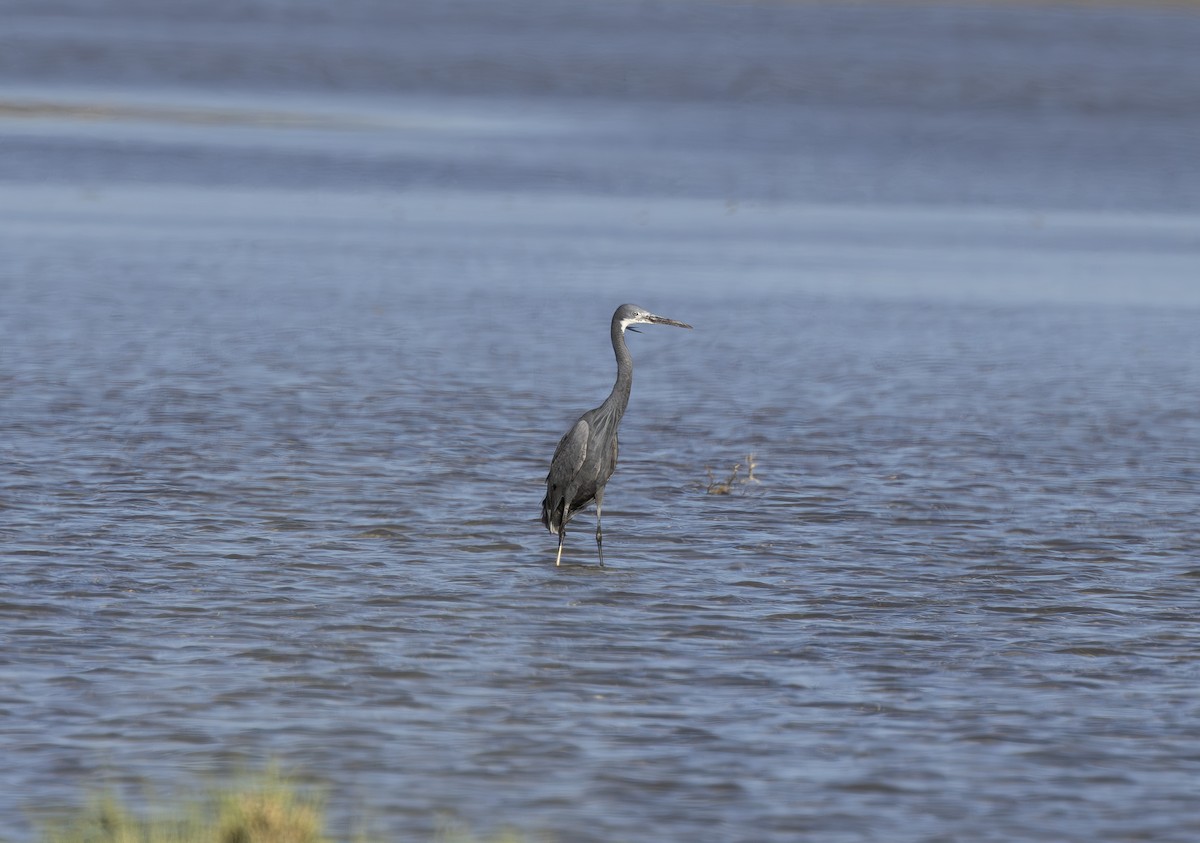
(274, 433)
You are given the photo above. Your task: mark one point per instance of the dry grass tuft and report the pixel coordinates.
(266, 808)
(274, 815)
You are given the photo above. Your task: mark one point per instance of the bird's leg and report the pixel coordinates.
(562, 535)
(599, 535)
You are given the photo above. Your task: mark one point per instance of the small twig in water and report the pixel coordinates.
(726, 486)
(723, 487)
(753, 463)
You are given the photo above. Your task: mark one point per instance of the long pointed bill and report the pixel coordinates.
(662, 320)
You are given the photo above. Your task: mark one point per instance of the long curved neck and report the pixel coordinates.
(618, 399)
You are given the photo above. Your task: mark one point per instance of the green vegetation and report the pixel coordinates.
(266, 809)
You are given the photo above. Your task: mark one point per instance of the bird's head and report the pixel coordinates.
(631, 314)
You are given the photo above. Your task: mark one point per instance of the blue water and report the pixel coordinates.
(297, 303)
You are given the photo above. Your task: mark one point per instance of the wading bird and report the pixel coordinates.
(587, 454)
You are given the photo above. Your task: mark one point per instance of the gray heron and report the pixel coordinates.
(586, 456)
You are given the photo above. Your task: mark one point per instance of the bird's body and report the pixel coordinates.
(587, 455)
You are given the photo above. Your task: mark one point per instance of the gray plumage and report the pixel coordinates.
(587, 455)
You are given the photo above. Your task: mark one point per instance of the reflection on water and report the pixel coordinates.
(278, 399)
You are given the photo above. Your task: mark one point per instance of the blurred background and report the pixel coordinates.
(1045, 107)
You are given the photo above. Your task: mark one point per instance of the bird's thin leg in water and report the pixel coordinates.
(599, 535)
(562, 535)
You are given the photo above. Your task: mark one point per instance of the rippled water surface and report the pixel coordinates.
(274, 433)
